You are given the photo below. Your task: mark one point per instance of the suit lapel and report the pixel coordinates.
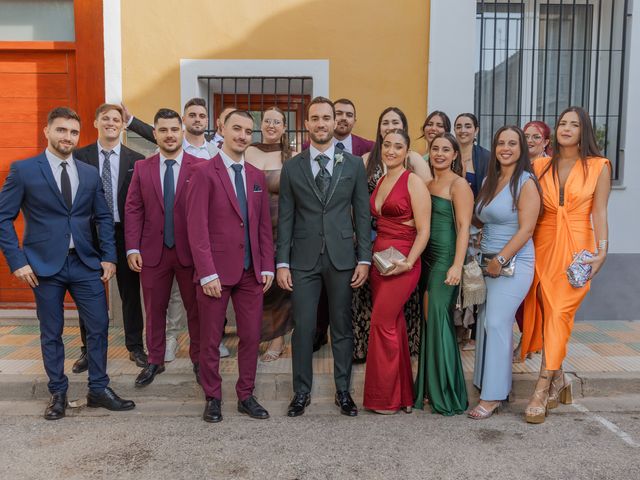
(182, 176)
(154, 172)
(48, 175)
(226, 183)
(335, 177)
(124, 167)
(82, 183)
(305, 165)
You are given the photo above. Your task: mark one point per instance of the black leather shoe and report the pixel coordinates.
(82, 364)
(298, 404)
(251, 407)
(110, 400)
(319, 341)
(146, 376)
(212, 411)
(57, 407)
(346, 404)
(196, 371)
(139, 357)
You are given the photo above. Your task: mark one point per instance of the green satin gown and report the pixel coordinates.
(440, 376)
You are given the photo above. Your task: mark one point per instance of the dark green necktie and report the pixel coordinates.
(323, 178)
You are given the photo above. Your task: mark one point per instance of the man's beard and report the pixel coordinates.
(192, 130)
(59, 149)
(321, 140)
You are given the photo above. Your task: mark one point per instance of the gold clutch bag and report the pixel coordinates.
(384, 259)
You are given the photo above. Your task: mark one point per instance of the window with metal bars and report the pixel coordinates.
(256, 94)
(535, 58)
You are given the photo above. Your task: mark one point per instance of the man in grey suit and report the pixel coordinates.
(324, 201)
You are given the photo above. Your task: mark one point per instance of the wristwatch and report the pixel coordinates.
(501, 260)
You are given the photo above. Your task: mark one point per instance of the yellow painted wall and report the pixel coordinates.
(378, 49)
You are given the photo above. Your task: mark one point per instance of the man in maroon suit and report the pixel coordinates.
(156, 238)
(229, 229)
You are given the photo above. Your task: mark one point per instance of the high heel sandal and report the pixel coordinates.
(481, 413)
(538, 414)
(560, 390)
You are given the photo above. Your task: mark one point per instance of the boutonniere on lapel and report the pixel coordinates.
(257, 188)
(339, 158)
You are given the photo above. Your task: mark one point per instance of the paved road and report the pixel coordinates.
(164, 439)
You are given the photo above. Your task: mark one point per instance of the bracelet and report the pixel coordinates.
(602, 245)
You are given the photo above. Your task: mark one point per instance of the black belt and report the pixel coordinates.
(72, 251)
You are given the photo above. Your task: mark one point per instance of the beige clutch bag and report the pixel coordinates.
(383, 260)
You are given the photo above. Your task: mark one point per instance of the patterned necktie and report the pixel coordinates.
(242, 203)
(341, 146)
(323, 178)
(65, 186)
(107, 183)
(169, 197)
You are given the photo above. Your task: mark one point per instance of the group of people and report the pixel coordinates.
(289, 239)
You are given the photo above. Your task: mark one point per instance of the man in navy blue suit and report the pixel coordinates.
(59, 198)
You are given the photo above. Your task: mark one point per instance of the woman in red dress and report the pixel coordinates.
(400, 203)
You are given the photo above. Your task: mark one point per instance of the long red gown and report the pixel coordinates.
(388, 381)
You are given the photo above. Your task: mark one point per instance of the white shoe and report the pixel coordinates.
(224, 351)
(171, 349)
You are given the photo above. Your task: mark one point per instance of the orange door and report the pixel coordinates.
(31, 84)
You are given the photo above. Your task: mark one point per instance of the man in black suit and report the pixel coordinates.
(114, 162)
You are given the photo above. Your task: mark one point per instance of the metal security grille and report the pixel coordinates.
(255, 94)
(535, 58)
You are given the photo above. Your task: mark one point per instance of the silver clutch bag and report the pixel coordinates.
(579, 272)
(507, 270)
(384, 259)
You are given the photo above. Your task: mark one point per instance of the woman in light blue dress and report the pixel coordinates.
(507, 208)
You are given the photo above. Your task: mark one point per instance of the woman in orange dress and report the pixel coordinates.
(575, 182)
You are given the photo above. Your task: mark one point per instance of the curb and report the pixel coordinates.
(278, 386)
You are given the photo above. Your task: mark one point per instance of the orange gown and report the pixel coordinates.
(561, 231)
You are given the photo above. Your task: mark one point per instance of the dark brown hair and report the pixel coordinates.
(196, 102)
(285, 148)
(587, 146)
(166, 113)
(523, 164)
(446, 121)
(62, 112)
(242, 113)
(345, 101)
(106, 107)
(456, 165)
(375, 157)
(318, 100)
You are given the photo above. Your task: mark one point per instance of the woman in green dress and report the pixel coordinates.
(440, 380)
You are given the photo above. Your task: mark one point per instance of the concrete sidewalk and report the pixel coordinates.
(604, 356)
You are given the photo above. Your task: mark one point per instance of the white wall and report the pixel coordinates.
(452, 38)
(624, 206)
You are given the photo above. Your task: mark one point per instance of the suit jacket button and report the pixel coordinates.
(241, 245)
(242, 224)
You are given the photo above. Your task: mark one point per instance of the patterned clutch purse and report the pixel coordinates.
(384, 259)
(579, 272)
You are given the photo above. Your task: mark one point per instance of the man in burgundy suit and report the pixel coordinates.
(156, 238)
(230, 235)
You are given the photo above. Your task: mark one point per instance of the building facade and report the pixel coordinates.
(508, 61)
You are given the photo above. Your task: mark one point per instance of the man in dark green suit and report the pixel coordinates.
(324, 202)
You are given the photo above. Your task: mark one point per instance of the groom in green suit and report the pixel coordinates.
(324, 237)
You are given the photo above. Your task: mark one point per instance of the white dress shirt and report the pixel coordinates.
(347, 142)
(206, 151)
(315, 169)
(55, 163)
(228, 163)
(114, 160)
(217, 139)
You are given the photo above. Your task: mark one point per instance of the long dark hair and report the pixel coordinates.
(446, 121)
(456, 166)
(375, 157)
(285, 148)
(490, 185)
(587, 147)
